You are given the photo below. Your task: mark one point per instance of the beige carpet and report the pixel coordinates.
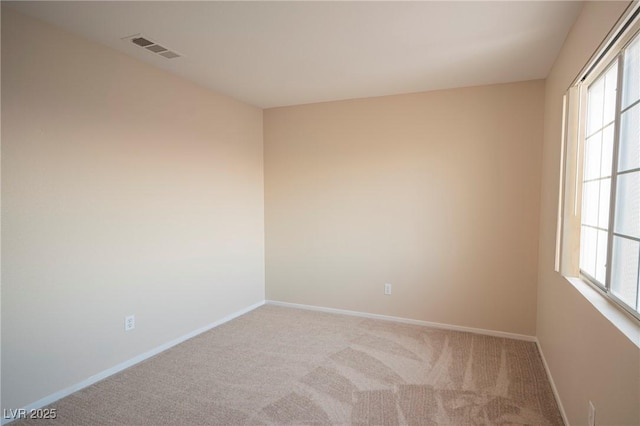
(279, 365)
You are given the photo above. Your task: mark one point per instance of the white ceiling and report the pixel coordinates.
(284, 53)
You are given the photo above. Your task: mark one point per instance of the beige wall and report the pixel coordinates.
(590, 360)
(125, 190)
(436, 193)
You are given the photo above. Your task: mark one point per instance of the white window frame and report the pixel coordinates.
(567, 260)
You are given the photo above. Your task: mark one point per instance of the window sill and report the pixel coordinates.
(621, 320)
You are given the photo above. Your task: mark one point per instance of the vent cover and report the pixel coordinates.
(151, 46)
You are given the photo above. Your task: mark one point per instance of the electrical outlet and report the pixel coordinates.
(387, 289)
(129, 322)
(592, 414)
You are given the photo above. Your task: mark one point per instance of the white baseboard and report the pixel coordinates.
(556, 394)
(135, 360)
(405, 320)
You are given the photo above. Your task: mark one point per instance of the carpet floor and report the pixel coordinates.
(279, 365)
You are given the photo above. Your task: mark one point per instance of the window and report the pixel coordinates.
(599, 214)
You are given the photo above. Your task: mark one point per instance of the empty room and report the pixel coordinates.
(234, 213)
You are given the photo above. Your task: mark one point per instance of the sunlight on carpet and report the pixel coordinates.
(279, 365)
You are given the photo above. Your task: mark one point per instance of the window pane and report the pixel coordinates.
(629, 156)
(588, 244)
(592, 152)
(604, 203)
(631, 84)
(595, 106)
(610, 84)
(627, 220)
(590, 203)
(607, 151)
(624, 272)
(601, 257)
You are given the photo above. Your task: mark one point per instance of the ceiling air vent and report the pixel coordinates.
(151, 46)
